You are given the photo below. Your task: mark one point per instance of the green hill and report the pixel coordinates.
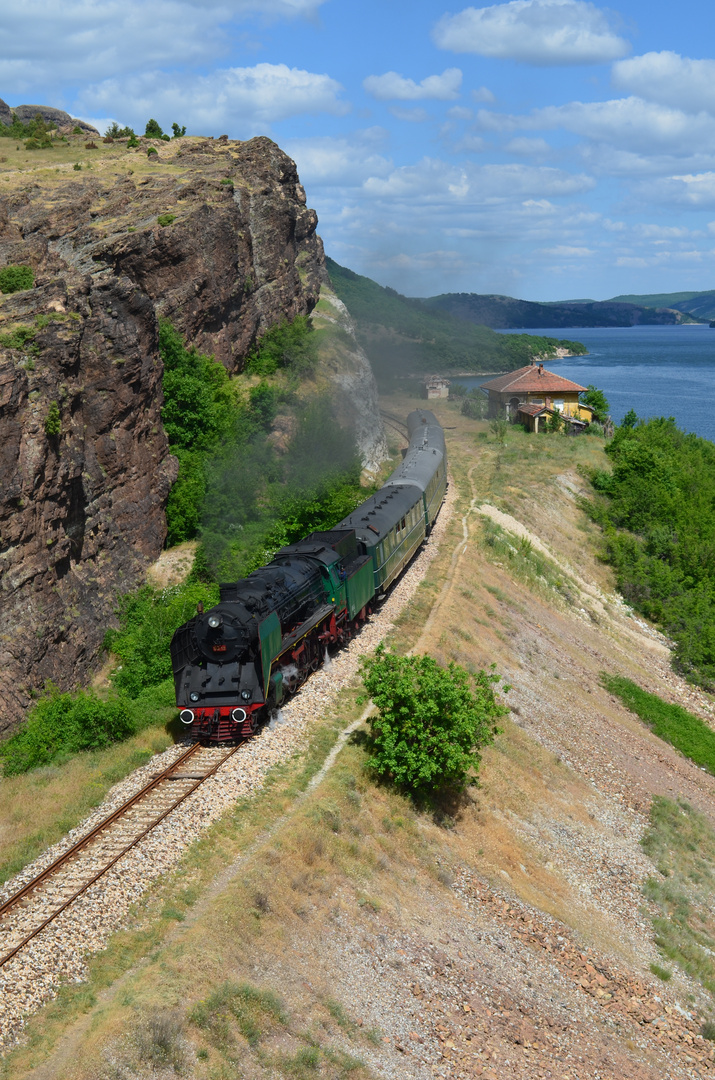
(699, 304)
(402, 335)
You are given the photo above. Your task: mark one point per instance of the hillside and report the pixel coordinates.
(323, 927)
(404, 336)
(699, 304)
(506, 312)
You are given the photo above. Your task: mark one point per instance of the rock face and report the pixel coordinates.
(82, 508)
(61, 119)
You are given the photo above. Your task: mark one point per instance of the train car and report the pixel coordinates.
(425, 463)
(234, 664)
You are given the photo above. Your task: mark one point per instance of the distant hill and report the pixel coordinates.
(506, 312)
(699, 304)
(401, 335)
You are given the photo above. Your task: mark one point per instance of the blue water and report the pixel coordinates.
(656, 370)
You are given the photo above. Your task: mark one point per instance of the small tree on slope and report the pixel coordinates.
(432, 722)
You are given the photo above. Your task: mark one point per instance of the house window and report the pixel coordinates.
(558, 404)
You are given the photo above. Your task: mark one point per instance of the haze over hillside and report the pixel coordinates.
(506, 312)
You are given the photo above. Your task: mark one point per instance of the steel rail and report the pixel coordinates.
(49, 871)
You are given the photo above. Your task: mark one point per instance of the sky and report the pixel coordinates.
(543, 149)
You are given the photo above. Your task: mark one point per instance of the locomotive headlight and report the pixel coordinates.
(246, 695)
(215, 621)
(194, 696)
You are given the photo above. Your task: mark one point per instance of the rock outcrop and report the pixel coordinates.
(216, 236)
(58, 117)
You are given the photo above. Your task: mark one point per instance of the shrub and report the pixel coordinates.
(431, 724)
(53, 423)
(64, 723)
(166, 219)
(16, 278)
(288, 344)
(474, 405)
(77, 130)
(152, 152)
(21, 337)
(114, 131)
(178, 131)
(132, 141)
(153, 130)
(91, 145)
(32, 144)
(77, 167)
(107, 139)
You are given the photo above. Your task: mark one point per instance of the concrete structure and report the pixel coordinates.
(436, 387)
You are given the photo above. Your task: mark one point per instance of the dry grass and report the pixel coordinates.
(38, 808)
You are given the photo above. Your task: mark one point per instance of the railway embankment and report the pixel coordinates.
(336, 931)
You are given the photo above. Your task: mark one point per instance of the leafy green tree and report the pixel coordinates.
(630, 419)
(114, 131)
(153, 130)
(179, 132)
(286, 345)
(499, 426)
(432, 722)
(597, 401)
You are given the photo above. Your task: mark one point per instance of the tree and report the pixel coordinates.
(630, 419)
(153, 130)
(114, 131)
(597, 400)
(499, 427)
(431, 724)
(178, 131)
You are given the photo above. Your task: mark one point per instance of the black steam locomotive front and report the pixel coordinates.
(217, 656)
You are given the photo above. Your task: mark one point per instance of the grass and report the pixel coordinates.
(672, 723)
(681, 843)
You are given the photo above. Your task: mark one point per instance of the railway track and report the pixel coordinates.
(395, 423)
(33, 907)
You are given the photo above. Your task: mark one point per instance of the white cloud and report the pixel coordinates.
(432, 180)
(46, 42)
(565, 251)
(631, 124)
(458, 112)
(410, 116)
(540, 32)
(696, 191)
(483, 95)
(670, 79)
(240, 101)
(394, 87)
(528, 147)
(347, 162)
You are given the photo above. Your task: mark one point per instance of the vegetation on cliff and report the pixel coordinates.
(658, 514)
(402, 335)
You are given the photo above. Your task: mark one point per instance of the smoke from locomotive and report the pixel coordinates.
(235, 664)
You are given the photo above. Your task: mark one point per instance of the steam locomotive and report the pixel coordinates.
(234, 664)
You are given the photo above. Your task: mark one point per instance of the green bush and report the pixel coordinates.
(178, 131)
(53, 422)
(60, 724)
(597, 400)
(20, 337)
(15, 278)
(153, 152)
(165, 219)
(431, 723)
(114, 131)
(474, 405)
(286, 345)
(148, 619)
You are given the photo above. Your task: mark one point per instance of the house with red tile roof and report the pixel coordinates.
(530, 394)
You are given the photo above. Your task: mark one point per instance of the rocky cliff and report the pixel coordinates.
(214, 235)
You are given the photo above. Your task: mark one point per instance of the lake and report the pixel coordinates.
(656, 370)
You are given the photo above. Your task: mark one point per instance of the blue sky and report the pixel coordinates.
(546, 149)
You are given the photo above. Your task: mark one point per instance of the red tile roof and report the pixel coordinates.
(532, 379)
(533, 409)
